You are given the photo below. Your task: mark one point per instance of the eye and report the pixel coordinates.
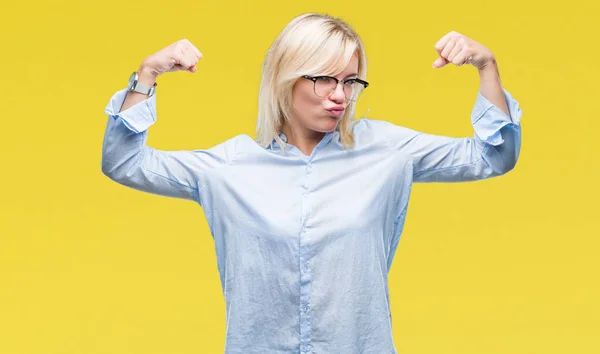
(350, 82)
(324, 79)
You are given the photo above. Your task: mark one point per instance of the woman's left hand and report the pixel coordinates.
(459, 49)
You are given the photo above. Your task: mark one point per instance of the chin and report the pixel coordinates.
(326, 127)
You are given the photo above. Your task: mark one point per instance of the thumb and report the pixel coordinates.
(439, 62)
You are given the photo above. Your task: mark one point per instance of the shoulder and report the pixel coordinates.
(368, 124)
(376, 125)
(242, 146)
(241, 141)
(229, 149)
(365, 129)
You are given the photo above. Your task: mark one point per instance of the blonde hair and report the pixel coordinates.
(310, 44)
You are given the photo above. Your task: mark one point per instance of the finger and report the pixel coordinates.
(460, 59)
(448, 48)
(455, 51)
(193, 60)
(439, 46)
(185, 63)
(196, 51)
(440, 62)
(191, 49)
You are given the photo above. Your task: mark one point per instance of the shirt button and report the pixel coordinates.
(305, 308)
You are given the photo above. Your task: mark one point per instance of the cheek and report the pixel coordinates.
(306, 103)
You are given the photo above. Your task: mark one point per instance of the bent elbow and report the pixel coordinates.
(507, 154)
(120, 163)
(122, 170)
(510, 165)
(109, 169)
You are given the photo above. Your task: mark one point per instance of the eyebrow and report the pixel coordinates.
(347, 76)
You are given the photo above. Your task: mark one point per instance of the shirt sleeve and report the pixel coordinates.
(493, 150)
(127, 160)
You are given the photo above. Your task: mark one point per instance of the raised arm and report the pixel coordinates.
(492, 151)
(494, 148)
(126, 159)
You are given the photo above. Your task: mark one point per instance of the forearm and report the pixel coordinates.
(491, 86)
(128, 160)
(121, 149)
(126, 131)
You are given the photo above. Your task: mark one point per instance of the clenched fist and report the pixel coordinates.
(181, 55)
(458, 49)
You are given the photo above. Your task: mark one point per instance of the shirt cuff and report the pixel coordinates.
(138, 117)
(488, 119)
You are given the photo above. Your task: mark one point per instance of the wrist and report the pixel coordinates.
(489, 66)
(146, 75)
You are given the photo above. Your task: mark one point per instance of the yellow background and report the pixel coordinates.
(506, 265)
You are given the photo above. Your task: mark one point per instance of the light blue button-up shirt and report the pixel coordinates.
(304, 243)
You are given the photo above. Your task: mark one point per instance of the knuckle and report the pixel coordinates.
(181, 45)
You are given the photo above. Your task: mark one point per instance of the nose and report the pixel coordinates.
(338, 94)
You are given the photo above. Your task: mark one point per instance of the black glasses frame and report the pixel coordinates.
(337, 81)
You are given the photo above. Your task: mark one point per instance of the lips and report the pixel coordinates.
(336, 108)
(336, 112)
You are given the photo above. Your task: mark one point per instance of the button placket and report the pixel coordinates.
(305, 276)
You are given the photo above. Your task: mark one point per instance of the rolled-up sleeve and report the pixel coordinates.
(488, 120)
(138, 117)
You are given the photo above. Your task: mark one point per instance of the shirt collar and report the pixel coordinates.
(328, 137)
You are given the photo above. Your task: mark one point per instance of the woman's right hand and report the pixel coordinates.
(181, 55)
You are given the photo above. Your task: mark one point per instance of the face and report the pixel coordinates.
(315, 114)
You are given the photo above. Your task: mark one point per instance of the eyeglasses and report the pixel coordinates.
(325, 86)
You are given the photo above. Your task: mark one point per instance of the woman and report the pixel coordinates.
(306, 218)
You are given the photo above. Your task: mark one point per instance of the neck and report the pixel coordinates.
(303, 139)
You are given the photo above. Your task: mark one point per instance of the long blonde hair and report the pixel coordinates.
(310, 44)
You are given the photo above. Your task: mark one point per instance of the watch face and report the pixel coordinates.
(132, 80)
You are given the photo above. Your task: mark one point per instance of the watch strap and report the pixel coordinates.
(141, 87)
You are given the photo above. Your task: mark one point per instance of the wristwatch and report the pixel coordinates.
(135, 85)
